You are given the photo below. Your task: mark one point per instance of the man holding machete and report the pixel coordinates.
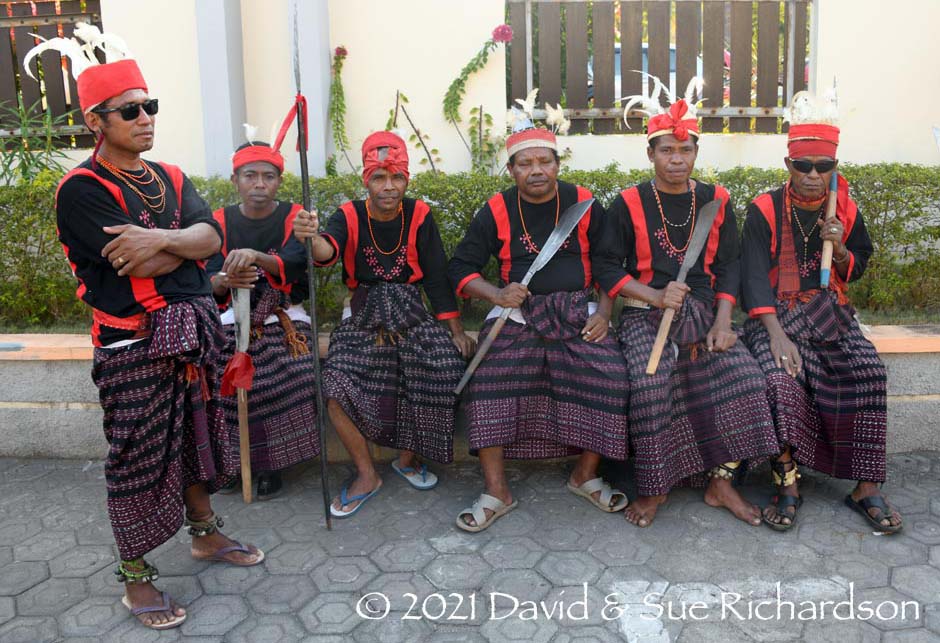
(826, 383)
(554, 383)
(704, 408)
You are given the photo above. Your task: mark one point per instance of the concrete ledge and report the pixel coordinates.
(49, 405)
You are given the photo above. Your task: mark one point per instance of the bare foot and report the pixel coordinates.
(868, 489)
(362, 485)
(205, 547)
(641, 511)
(146, 595)
(505, 496)
(720, 493)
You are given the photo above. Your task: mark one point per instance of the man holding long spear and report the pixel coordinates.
(553, 384)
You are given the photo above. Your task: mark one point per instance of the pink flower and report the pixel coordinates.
(502, 33)
(341, 52)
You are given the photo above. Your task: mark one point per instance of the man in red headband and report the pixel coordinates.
(259, 252)
(553, 383)
(391, 370)
(704, 410)
(826, 383)
(135, 233)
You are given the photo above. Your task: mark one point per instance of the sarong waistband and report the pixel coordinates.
(140, 321)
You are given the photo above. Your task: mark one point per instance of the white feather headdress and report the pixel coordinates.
(80, 50)
(651, 103)
(806, 108)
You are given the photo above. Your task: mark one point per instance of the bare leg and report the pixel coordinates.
(494, 479)
(199, 508)
(586, 469)
(367, 478)
(146, 595)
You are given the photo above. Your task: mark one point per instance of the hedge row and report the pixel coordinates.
(900, 203)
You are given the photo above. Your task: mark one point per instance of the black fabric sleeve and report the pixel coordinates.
(474, 250)
(84, 208)
(294, 256)
(433, 263)
(756, 292)
(336, 234)
(859, 244)
(617, 234)
(727, 263)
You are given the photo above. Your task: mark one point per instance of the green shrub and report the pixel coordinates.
(899, 202)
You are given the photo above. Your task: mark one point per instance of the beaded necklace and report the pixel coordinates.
(401, 235)
(667, 222)
(790, 206)
(156, 204)
(526, 237)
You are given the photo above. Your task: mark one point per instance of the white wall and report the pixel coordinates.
(418, 47)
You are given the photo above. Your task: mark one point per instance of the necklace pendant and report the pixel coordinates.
(805, 239)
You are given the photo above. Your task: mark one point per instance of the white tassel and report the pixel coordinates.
(250, 132)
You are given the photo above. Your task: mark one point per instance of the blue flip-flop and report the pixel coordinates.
(421, 479)
(345, 500)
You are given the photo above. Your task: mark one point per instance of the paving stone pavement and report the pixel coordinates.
(554, 570)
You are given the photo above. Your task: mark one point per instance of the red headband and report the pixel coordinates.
(396, 161)
(533, 137)
(257, 153)
(98, 83)
(813, 139)
(673, 122)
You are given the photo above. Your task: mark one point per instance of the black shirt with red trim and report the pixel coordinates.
(498, 230)
(402, 250)
(84, 206)
(273, 235)
(761, 245)
(640, 246)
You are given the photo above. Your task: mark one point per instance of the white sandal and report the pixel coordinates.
(485, 501)
(607, 494)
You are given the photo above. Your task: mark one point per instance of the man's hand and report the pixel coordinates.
(786, 354)
(242, 278)
(832, 230)
(306, 225)
(596, 327)
(511, 296)
(132, 247)
(720, 337)
(240, 260)
(465, 344)
(672, 295)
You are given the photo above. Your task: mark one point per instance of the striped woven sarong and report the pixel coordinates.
(544, 392)
(834, 413)
(282, 409)
(699, 409)
(393, 369)
(163, 423)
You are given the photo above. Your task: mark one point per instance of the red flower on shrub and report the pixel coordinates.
(341, 52)
(502, 33)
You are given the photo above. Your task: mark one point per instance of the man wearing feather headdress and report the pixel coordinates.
(826, 383)
(704, 410)
(553, 383)
(260, 252)
(135, 234)
(391, 370)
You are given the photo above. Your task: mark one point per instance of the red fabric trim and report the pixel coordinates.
(113, 189)
(334, 258)
(763, 310)
(644, 253)
(463, 283)
(299, 106)
(417, 220)
(583, 243)
(278, 282)
(219, 216)
(256, 154)
(812, 139)
(530, 138)
(176, 178)
(613, 292)
(395, 162)
(140, 321)
(352, 244)
(451, 315)
(673, 122)
(501, 216)
(289, 222)
(724, 295)
(765, 203)
(848, 271)
(714, 235)
(239, 373)
(98, 83)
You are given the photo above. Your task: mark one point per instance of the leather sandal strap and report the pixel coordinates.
(878, 503)
(785, 502)
(147, 609)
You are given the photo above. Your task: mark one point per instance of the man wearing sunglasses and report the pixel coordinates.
(136, 234)
(826, 384)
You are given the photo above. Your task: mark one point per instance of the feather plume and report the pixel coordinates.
(519, 120)
(693, 90)
(81, 49)
(113, 46)
(250, 132)
(806, 108)
(556, 119)
(66, 47)
(528, 105)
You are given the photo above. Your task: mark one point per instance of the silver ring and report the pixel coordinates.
(833, 230)
(782, 357)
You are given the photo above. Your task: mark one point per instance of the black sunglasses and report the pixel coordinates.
(805, 167)
(131, 111)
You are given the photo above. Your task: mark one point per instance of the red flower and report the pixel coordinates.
(502, 33)
(341, 52)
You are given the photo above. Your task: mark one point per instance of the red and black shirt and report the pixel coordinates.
(273, 235)
(88, 200)
(406, 249)
(498, 230)
(641, 246)
(761, 244)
